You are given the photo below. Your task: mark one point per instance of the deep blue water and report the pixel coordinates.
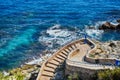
(24, 22)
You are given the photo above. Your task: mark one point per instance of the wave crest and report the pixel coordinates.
(56, 35)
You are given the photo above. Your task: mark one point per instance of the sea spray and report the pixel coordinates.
(56, 36)
(24, 38)
(96, 34)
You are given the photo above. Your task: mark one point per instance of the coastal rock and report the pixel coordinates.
(91, 27)
(112, 44)
(106, 26)
(33, 76)
(118, 26)
(118, 20)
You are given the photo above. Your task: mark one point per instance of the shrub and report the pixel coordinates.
(75, 76)
(109, 74)
(16, 76)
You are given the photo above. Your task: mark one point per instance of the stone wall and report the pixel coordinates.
(84, 73)
(87, 73)
(88, 59)
(100, 61)
(108, 61)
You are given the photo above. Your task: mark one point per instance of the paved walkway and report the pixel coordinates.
(80, 52)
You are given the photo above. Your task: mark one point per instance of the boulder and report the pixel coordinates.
(118, 20)
(118, 26)
(112, 44)
(91, 27)
(106, 26)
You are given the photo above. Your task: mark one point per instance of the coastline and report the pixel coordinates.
(30, 68)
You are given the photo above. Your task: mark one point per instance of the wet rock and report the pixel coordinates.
(91, 27)
(112, 44)
(33, 76)
(118, 20)
(106, 26)
(118, 26)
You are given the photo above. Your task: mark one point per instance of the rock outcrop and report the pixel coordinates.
(110, 26)
(118, 26)
(112, 44)
(118, 20)
(106, 26)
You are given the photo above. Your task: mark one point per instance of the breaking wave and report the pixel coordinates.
(56, 35)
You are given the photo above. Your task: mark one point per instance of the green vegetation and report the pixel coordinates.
(92, 55)
(101, 75)
(15, 76)
(22, 73)
(75, 76)
(109, 74)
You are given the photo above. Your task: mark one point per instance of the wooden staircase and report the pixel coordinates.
(49, 67)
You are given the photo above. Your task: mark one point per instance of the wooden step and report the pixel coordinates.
(45, 78)
(51, 65)
(49, 74)
(54, 62)
(62, 55)
(67, 50)
(49, 69)
(73, 46)
(78, 44)
(70, 48)
(59, 60)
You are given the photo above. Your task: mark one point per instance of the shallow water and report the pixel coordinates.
(24, 25)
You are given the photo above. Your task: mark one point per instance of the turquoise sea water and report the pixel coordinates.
(24, 25)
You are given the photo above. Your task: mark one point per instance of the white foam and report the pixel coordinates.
(38, 61)
(57, 32)
(94, 33)
(60, 36)
(57, 36)
(35, 61)
(5, 73)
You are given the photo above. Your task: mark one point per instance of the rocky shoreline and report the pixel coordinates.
(31, 69)
(107, 50)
